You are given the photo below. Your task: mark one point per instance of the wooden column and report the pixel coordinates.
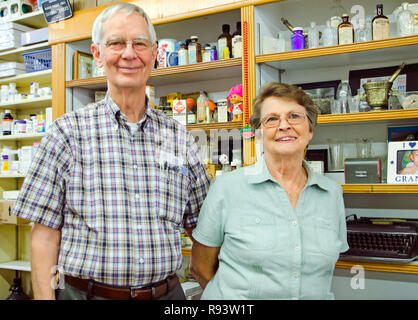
(248, 77)
(58, 80)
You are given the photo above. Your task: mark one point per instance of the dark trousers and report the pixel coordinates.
(71, 293)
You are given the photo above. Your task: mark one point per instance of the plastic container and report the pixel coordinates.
(38, 60)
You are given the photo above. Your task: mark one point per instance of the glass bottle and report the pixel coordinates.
(313, 36)
(194, 48)
(236, 37)
(7, 123)
(361, 33)
(191, 115)
(297, 40)
(329, 35)
(183, 54)
(345, 31)
(380, 25)
(237, 47)
(238, 31)
(344, 98)
(405, 21)
(202, 104)
(206, 53)
(224, 40)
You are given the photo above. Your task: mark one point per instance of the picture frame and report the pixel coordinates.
(83, 65)
(402, 133)
(318, 155)
(403, 162)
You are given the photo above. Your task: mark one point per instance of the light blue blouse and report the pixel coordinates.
(268, 249)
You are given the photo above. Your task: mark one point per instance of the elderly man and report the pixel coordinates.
(113, 184)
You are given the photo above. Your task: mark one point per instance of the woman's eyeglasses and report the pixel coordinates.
(274, 120)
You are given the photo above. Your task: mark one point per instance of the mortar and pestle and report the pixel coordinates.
(377, 93)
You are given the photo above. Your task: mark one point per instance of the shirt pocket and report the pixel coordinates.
(173, 186)
(327, 231)
(258, 232)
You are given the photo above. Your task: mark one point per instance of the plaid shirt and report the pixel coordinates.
(119, 197)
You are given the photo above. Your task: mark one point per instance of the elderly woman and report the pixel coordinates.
(273, 230)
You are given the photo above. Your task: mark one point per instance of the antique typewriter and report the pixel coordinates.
(382, 239)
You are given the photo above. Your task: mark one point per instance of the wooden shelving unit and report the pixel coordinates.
(368, 116)
(23, 136)
(380, 266)
(170, 75)
(216, 125)
(28, 103)
(380, 188)
(386, 50)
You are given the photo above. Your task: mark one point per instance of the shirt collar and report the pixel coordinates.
(259, 173)
(118, 115)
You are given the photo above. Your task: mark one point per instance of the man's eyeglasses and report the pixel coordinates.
(118, 45)
(293, 118)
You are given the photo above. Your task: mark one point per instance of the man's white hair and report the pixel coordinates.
(127, 8)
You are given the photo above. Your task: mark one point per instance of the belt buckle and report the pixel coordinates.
(132, 291)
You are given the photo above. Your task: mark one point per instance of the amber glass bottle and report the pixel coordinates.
(380, 25)
(345, 31)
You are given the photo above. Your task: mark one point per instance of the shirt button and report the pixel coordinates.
(139, 227)
(141, 260)
(296, 274)
(137, 196)
(257, 220)
(115, 127)
(295, 223)
(135, 166)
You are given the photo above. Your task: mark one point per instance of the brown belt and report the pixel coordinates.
(155, 291)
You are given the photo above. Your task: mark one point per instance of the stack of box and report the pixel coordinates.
(11, 35)
(9, 69)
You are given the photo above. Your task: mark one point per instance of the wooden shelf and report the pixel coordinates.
(12, 175)
(368, 116)
(380, 188)
(19, 265)
(16, 54)
(34, 19)
(380, 266)
(23, 136)
(24, 79)
(216, 125)
(189, 73)
(401, 49)
(28, 103)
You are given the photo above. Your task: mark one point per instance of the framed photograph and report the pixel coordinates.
(403, 162)
(318, 155)
(83, 65)
(402, 133)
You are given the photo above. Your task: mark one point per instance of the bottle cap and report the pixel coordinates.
(226, 27)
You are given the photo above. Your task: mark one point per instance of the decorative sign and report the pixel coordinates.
(403, 162)
(247, 132)
(56, 10)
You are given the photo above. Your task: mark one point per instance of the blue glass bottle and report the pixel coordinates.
(297, 40)
(213, 54)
